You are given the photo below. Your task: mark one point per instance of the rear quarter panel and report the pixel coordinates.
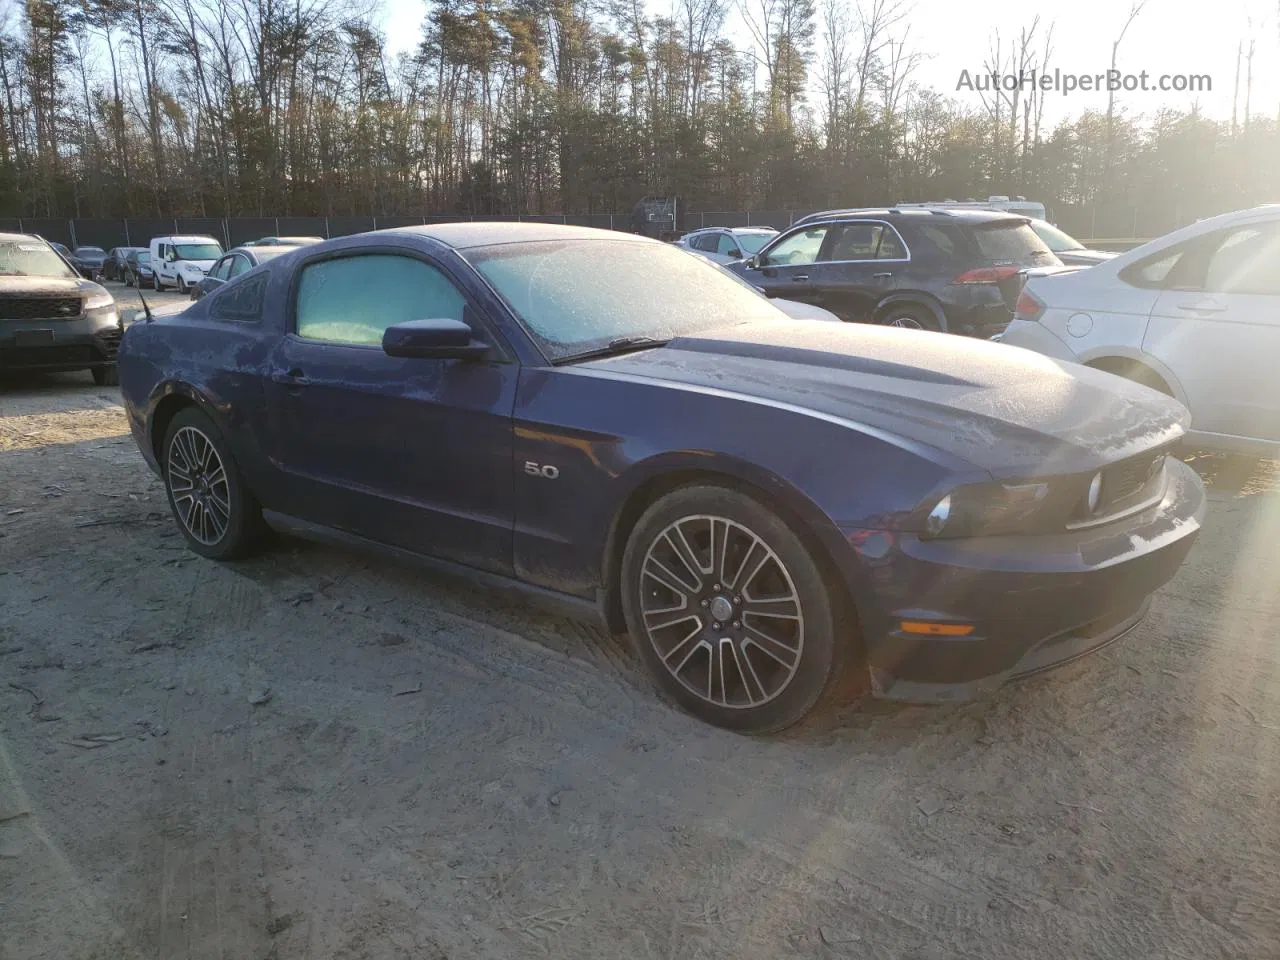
(217, 365)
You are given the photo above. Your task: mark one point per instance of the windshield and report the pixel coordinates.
(1055, 239)
(91, 251)
(753, 242)
(197, 251)
(143, 256)
(577, 296)
(31, 258)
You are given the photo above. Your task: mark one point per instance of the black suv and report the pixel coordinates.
(950, 270)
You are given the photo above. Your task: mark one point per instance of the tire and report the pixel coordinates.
(787, 656)
(128, 279)
(215, 512)
(182, 286)
(910, 316)
(1135, 371)
(156, 285)
(106, 376)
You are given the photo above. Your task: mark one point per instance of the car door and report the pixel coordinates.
(788, 267)
(706, 243)
(727, 247)
(858, 267)
(1217, 328)
(412, 452)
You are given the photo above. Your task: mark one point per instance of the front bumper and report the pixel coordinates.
(58, 345)
(1034, 602)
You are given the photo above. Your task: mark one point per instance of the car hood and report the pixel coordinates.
(1011, 412)
(47, 286)
(202, 264)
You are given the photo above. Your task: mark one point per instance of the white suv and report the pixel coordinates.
(1195, 314)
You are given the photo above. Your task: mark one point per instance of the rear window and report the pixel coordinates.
(1012, 241)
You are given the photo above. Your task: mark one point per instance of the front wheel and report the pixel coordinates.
(731, 612)
(217, 515)
(106, 376)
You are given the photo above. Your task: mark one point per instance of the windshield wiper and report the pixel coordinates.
(616, 346)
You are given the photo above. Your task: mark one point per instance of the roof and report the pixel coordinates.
(756, 229)
(485, 233)
(184, 237)
(966, 214)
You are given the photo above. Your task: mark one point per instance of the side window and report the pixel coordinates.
(727, 246)
(239, 265)
(891, 246)
(241, 302)
(1246, 262)
(353, 300)
(1155, 271)
(855, 241)
(705, 242)
(800, 247)
(221, 269)
(939, 239)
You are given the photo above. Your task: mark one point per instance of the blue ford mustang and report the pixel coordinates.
(767, 506)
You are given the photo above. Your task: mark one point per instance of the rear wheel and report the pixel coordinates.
(217, 515)
(910, 316)
(730, 611)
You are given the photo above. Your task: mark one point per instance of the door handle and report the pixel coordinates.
(800, 278)
(1202, 306)
(882, 276)
(294, 378)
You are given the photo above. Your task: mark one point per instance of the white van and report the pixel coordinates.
(182, 262)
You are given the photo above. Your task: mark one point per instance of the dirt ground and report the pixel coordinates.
(319, 755)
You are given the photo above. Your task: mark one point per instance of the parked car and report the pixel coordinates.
(137, 270)
(285, 242)
(113, 266)
(954, 271)
(1195, 314)
(88, 261)
(62, 251)
(235, 262)
(600, 419)
(1067, 248)
(792, 308)
(51, 319)
(727, 244)
(182, 262)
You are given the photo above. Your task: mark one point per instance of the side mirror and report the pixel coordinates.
(440, 339)
(754, 262)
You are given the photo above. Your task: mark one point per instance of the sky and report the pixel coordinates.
(1169, 37)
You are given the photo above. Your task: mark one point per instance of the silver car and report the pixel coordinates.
(727, 244)
(1195, 314)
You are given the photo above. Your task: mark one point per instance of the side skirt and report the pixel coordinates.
(508, 587)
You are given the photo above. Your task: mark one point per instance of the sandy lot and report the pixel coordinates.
(319, 755)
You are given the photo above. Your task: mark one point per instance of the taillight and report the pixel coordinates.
(988, 274)
(1028, 307)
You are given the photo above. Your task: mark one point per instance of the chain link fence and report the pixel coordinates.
(1111, 227)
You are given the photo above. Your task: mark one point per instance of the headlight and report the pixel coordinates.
(979, 509)
(99, 300)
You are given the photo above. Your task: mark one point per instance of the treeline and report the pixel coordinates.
(114, 108)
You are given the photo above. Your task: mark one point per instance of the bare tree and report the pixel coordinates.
(1134, 11)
